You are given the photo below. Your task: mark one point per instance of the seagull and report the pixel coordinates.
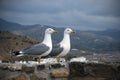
(62, 49)
(41, 49)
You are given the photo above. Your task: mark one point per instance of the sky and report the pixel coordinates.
(78, 14)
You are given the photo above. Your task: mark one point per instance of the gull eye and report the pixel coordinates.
(68, 30)
(50, 30)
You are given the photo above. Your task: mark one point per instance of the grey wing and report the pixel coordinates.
(37, 49)
(56, 45)
(56, 50)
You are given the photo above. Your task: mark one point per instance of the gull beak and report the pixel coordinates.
(73, 31)
(55, 31)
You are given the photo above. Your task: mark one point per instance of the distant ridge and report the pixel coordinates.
(95, 41)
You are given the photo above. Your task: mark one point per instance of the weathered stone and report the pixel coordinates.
(28, 69)
(78, 69)
(59, 74)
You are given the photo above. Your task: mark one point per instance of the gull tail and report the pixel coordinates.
(16, 53)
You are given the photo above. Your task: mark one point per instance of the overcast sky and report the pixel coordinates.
(79, 14)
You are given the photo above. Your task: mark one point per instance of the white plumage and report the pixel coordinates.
(62, 49)
(41, 49)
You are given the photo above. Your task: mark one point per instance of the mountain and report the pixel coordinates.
(97, 41)
(11, 42)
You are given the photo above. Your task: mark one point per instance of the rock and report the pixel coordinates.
(78, 69)
(20, 77)
(55, 66)
(34, 77)
(40, 67)
(28, 69)
(59, 74)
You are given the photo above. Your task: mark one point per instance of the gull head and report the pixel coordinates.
(69, 31)
(50, 31)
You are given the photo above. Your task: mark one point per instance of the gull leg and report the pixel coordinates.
(58, 59)
(39, 59)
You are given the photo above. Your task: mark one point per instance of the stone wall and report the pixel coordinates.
(108, 71)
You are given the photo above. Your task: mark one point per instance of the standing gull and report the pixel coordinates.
(61, 49)
(41, 49)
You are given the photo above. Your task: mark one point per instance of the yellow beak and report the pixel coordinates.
(55, 31)
(73, 31)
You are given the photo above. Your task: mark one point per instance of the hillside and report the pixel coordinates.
(95, 41)
(11, 42)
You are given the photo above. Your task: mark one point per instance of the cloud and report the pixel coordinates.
(84, 15)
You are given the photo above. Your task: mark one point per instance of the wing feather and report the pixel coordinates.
(56, 50)
(37, 49)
